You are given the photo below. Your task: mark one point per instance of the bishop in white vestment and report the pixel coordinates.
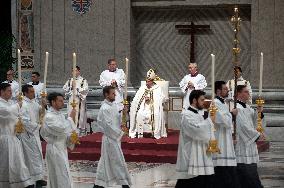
(14, 85)
(57, 132)
(146, 111)
(13, 170)
(194, 164)
(80, 85)
(192, 81)
(30, 137)
(112, 169)
(114, 77)
(247, 135)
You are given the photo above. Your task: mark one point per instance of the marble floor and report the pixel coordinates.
(145, 175)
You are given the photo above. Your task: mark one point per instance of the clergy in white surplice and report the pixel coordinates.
(30, 137)
(194, 165)
(80, 85)
(112, 169)
(146, 111)
(13, 170)
(38, 86)
(57, 132)
(114, 77)
(192, 81)
(225, 161)
(14, 85)
(247, 135)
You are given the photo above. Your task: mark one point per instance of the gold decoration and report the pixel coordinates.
(213, 147)
(74, 138)
(213, 144)
(19, 128)
(124, 127)
(259, 102)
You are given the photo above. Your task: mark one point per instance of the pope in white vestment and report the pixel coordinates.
(192, 81)
(114, 77)
(112, 169)
(146, 111)
(13, 171)
(81, 92)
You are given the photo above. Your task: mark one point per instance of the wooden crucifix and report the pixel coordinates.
(192, 29)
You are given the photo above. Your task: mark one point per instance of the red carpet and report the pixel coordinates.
(148, 150)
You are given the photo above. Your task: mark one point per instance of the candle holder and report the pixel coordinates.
(74, 138)
(124, 127)
(259, 102)
(213, 143)
(19, 128)
(43, 95)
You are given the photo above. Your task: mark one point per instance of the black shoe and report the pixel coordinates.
(97, 186)
(125, 186)
(41, 183)
(30, 186)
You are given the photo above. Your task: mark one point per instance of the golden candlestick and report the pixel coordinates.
(43, 95)
(74, 138)
(19, 128)
(213, 143)
(124, 127)
(259, 102)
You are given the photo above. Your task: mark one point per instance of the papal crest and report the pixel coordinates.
(81, 6)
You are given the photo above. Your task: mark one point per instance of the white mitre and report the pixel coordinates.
(151, 75)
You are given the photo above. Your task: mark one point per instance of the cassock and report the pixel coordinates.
(148, 117)
(199, 83)
(81, 93)
(194, 164)
(15, 89)
(225, 161)
(56, 132)
(231, 85)
(38, 87)
(118, 75)
(13, 171)
(30, 138)
(246, 147)
(112, 169)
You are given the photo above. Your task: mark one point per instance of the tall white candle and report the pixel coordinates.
(260, 74)
(213, 76)
(45, 71)
(126, 77)
(19, 70)
(74, 72)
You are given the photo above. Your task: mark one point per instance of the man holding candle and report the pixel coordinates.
(38, 86)
(247, 135)
(77, 89)
(14, 85)
(114, 77)
(192, 81)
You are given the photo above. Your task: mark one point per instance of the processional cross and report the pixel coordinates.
(192, 29)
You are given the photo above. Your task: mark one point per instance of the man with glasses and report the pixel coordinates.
(14, 85)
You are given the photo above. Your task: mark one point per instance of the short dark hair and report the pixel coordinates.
(219, 85)
(110, 60)
(53, 96)
(3, 86)
(107, 89)
(36, 73)
(238, 68)
(240, 88)
(195, 94)
(78, 68)
(25, 88)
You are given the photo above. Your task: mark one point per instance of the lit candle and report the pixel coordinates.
(19, 70)
(45, 71)
(126, 77)
(213, 76)
(74, 72)
(260, 74)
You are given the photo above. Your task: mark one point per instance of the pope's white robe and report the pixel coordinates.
(30, 138)
(246, 122)
(15, 89)
(223, 134)
(148, 117)
(195, 133)
(118, 75)
(56, 132)
(231, 87)
(13, 171)
(81, 93)
(199, 83)
(38, 87)
(112, 169)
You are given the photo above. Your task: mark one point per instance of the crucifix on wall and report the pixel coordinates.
(192, 30)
